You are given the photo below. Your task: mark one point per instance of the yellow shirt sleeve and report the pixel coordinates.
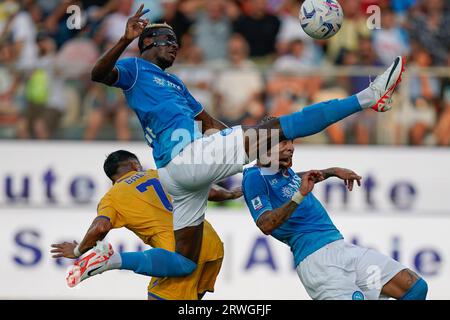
(106, 209)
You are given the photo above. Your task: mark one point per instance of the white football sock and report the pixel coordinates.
(366, 98)
(115, 261)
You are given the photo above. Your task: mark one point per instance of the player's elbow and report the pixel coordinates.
(95, 76)
(265, 228)
(98, 74)
(266, 231)
(102, 229)
(213, 195)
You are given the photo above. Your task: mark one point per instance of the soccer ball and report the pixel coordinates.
(321, 19)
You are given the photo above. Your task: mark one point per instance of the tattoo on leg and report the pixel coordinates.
(411, 277)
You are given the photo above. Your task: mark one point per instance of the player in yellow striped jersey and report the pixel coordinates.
(138, 202)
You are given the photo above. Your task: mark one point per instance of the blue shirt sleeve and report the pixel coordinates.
(256, 193)
(128, 72)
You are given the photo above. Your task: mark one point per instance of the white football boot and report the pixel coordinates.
(384, 85)
(94, 263)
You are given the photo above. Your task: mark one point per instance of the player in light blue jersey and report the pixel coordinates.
(189, 152)
(282, 205)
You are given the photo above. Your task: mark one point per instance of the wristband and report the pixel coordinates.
(297, 197)
(76, 251)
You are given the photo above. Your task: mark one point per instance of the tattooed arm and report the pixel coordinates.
(347, 175)
(272, 219)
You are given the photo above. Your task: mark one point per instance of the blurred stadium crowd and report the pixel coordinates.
(241, 59)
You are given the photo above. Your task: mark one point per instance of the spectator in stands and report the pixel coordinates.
(297, 58)
(22, 30)
(113, 25)
(391, 40)
(106, 104)
(431, 28)
(424, 91)
(442, 130)
(401, 7)
(352, 30)
(285, 92)
(291, 84)
(359, 128)
(290, 30)
(239, 87)
(198, 77)
(8, 9)
(259, 28)
(93, 12)
(8, 83)
(44, 94)
(212, 30)
(174, 15)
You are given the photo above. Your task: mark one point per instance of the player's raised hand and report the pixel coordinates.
(348, 176)
(308, 181)
(135, 25)
(64, 250)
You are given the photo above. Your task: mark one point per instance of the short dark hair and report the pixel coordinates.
(113, 160)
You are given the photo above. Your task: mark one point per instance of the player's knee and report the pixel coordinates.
(418, 291)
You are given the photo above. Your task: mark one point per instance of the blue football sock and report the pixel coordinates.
(417, 292)
(315, 118)
(157, 263)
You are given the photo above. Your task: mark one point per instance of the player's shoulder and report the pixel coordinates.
(152, 173)
(107, 197)
(252, 175)
(128, 62)
(252, 171)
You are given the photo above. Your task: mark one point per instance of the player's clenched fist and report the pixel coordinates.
(135, 25)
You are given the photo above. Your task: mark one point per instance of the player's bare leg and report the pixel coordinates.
(189, 241)
(404, 282)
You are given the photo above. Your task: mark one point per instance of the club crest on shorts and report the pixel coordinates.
(357, 295)
(226, 131)
(257, 204)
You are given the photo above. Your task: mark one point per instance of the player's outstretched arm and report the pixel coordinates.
(217, 193)
(104, 70)
(210, 125)
(347, 175)
(272, 219)
(97, 231)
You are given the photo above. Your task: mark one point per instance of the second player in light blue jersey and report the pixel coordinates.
(282, 205)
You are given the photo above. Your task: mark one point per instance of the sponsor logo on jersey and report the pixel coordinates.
(165, 83)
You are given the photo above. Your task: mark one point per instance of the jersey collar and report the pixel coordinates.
(126, 175)
(151, 63)
(267, 171)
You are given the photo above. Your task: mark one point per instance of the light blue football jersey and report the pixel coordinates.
(308, 229)
(163, 104)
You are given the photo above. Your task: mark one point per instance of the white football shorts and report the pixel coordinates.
(189, 175)
(343, 271)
